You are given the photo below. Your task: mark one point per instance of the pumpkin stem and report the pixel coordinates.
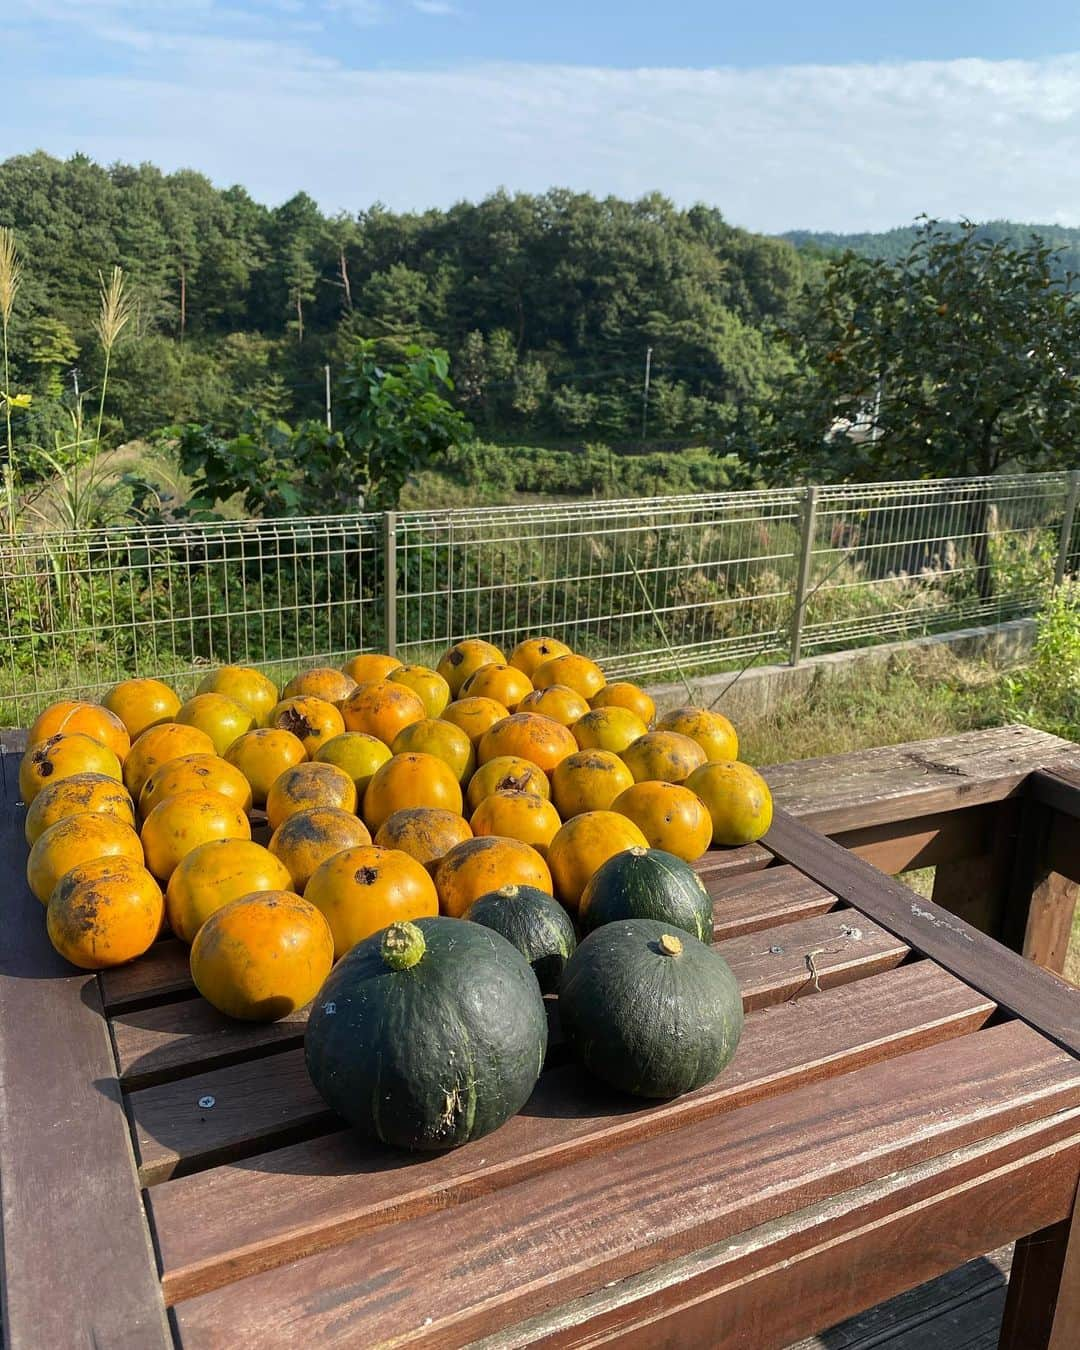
(638, 851)
(669, 944)
(403, 946)
(509, 891)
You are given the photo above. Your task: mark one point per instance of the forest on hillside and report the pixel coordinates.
(548, 305)
(891, 245)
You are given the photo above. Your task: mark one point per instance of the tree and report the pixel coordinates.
(51, 348)
(962, 357)
(300, 279)
(396, 419)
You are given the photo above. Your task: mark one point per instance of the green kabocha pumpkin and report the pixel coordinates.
(537, 925)
(428, 1034)
(647, 883)
(650, 1009)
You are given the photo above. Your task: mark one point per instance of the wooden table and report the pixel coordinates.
(906, 1096)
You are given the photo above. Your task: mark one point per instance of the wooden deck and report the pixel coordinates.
(906, 1096)
(960, 1311)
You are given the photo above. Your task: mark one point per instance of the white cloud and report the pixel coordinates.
(845, 147)
(436, 7)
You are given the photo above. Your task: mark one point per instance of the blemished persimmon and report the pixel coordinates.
(262, 956)
(411, 779)
(577, 672)
(583, 844)
(505, 684)
(465, 658)
(712, 731)
(169, 740)
(365, 889)
(181, 823)
(312, 783)
(73, 840)
(306, 839)
(370, 667)
(557, 701)
(669, 815)
(517, 815)
(428, 685)
(89, 719)
(81, 794)
(332, 686)
(444, 740)
(142, 703)
(195, 771)
(475, 715)
(528, 736)
(382, 710)
(426, 833)
(663, 756)
(622, 694)
(262, 756)
(223, 719)
(108, 920)
(588, 780)
(507, 773)
(215, 873)
(531, 654)
(481, 865)
(312, 721)
(253, 690)
(63, 756)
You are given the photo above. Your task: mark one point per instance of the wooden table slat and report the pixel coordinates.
(79, 1268)
(177, 1039)
(555, 1236)
(250, 1216)
(831, 1260)
(742, 903)
(1021, 987)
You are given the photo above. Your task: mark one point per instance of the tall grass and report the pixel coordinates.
(10, 280)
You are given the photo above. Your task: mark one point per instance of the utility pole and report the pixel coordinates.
(645, 394)
(329, 421)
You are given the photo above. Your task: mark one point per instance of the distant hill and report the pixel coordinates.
(893, 244)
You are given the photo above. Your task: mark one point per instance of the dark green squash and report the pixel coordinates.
(647, 883)
(428, 1034)
(537, 925)
(650, 1010)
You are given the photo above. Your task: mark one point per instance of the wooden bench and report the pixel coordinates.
(906, 1097)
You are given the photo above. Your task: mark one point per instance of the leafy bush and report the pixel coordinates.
(1046, 693)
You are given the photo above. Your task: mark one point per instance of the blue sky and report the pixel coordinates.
(835, 116)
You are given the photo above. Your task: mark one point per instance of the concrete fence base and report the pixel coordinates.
(762, 688)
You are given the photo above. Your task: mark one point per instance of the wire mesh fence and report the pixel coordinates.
(645, 586)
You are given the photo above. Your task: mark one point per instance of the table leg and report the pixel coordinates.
(1044, 890)
(1042, 1310)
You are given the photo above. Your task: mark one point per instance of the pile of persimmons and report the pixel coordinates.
(273, 830)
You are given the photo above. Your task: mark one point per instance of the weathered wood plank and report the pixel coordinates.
(175, 1039)
(1022, 988)
(793, 1043)
(843, 792)
(1057, 785)
(71, 1212)
(162, 972)
(757, 1291)
(747, 904)
(554, 1237)
(926, 841)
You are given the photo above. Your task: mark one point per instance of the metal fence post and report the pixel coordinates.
(802, 578)
(1067, 527)
(389, 521)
